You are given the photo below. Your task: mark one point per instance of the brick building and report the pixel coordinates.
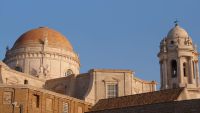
(29, 99)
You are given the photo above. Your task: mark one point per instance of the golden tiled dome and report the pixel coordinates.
(39, 35)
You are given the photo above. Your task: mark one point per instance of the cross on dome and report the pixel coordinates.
(176, 22)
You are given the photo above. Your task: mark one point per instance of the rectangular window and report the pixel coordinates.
(25, 81)
(65, 107)
(112, 90)
(36, 101)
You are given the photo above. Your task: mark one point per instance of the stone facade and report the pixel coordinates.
(178, 60)
(11, 77)
(34, 100)
(92, 86)
(126, 82)
(39, 52)
(179, 65)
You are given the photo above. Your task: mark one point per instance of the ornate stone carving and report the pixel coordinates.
(46, 70)
(7, 97)
(188, 41)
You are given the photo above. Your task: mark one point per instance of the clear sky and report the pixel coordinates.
(116, 34)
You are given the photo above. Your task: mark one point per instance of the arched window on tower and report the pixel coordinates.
(17, 68)
(174, 68)
(184, 70)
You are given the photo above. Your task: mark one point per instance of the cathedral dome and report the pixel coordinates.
(37, 36)
(177, 31)
(43, 53)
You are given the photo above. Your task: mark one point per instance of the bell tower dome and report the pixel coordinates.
(178, 60)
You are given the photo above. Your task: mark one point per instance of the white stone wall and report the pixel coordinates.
(141, 86)
(54, 62)
(12, 77)
(125, 80)
(178, 46)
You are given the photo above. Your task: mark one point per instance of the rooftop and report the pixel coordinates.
(138, 99)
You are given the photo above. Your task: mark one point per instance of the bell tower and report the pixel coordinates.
(178, 58)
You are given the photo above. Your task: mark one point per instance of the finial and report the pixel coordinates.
(176, 22)
(7, 48)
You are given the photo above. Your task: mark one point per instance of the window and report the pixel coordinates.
(184, 69)
(112, 90)
(69, 72)
(173, 68)
(36, 101)
(65, 107)
(17, 68)
(25, 81)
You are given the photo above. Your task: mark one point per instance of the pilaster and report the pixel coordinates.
(197, 73)
(165, 74)
(180, 71)
(161, 75)
(191, 72)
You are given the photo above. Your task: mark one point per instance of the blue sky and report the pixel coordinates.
(116, 34)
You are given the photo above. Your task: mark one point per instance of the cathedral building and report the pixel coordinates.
(41, 74)
(179, 73)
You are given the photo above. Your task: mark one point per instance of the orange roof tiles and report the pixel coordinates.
(167, 95)
(37, 36)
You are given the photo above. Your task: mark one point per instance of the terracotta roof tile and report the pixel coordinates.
(138, 99)
(37, 36)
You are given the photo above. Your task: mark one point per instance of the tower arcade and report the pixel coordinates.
(178, 57)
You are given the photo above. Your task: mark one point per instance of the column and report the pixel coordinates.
(153, 86)
(165, 75)
(161, 74)
(180, 71)
(197, 73)
(191, 71)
